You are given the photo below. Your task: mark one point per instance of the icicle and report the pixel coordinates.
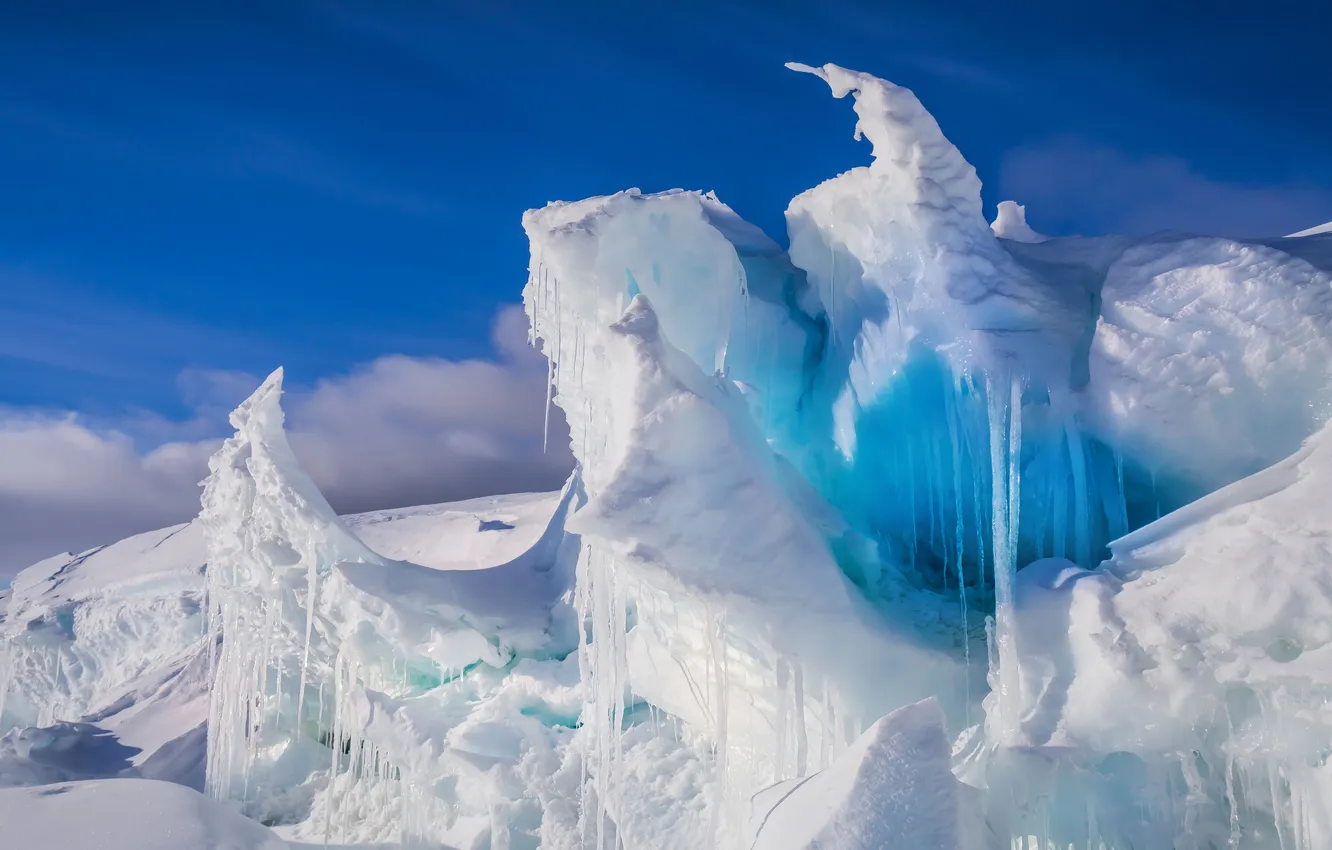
(1077, 458)
(951, 413)
(802, 730)
(832, 293)
(1005, 412)
(1014, 470)
(911, 486)
(550, 388)
(1231, 797)
(931, 490)
(312, 587)
(783, 713)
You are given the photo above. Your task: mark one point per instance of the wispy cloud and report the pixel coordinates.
(397, 431)
(269, 153)
(51, 322)
(193, 140)
(1070, 185)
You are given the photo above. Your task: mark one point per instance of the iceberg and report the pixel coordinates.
(924, 531)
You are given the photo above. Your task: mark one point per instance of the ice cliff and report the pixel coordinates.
(924, 532)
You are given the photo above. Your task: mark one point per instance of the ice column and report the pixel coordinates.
(1005, 409)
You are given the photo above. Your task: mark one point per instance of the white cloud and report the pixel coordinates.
(1070, 183)
(397, 431)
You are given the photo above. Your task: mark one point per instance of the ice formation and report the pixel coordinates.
(918, 480)
(1011, 223)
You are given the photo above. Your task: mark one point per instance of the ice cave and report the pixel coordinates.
(925, 533)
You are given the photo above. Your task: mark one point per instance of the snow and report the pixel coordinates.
(893, 789)
(1213, 624)
(1011, 223)
(125, 814)
(1057, 499)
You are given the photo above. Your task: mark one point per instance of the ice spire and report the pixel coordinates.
(271, 538)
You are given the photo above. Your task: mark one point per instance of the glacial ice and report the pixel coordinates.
(926, 531)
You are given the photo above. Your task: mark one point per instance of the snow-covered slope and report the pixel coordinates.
(125, 814)
(833, 508)
(81, 630)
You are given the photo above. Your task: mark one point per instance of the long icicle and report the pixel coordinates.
(1005, 411)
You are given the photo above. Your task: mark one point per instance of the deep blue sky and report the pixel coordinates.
(199, 185)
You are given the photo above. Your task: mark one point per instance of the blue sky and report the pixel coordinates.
(194, 193)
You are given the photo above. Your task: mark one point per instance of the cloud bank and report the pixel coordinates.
(397, 431)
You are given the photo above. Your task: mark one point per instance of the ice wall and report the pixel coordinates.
(953, 372)
(707, 577)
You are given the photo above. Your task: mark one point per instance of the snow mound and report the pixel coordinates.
(892, 789)
(81, 628)
(125, 814)
(1011, 223)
